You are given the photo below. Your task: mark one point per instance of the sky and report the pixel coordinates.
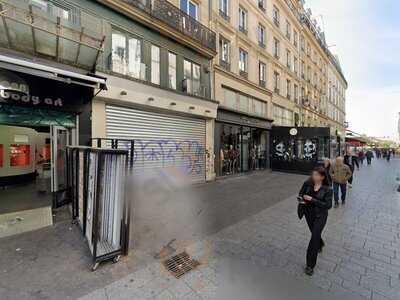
(367, 38)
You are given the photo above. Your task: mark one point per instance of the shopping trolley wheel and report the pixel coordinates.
(116, 259)
(95, 266)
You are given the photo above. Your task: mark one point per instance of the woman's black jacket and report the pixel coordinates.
(321, 201)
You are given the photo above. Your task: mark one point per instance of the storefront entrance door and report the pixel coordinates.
(60, 138)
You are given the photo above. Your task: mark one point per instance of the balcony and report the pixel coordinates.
(177, 19)
(262, 83)
(261, 5)
(224, 64)
(244, 74)
(243, 29)
(261, 44)
(224, 15)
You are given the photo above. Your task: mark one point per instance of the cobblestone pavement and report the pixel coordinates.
(361, 258)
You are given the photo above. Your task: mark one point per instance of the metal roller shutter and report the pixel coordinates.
(161, 140)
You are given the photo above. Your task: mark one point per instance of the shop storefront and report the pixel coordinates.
(241, 143)
(42, 111)
(299, 149)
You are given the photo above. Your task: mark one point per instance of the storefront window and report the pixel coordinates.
(19, 155)
(240, 149)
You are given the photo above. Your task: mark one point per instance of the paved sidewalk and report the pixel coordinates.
(361, 258)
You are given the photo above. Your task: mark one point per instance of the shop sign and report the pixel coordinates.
(10, 96)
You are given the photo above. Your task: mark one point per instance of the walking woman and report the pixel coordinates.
(315, 199)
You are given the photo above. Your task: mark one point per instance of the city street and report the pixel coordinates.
(361, 259)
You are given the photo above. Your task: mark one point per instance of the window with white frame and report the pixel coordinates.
(288, 88)
(242, 20)
(296, 92)
(155, 64)
(172, 71)
(276, 16)
(224, 50)
(288, 30)
(277, 82)
(261, 35)
(191, 75)
(288, 59)
(277, 47)
(262, 73)
(224, 7)
(126, 55)
(295, 38)
(282, 116)
(191, 8)
(243, 57)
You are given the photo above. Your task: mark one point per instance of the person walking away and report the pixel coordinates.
(361, 157)
(351, 161)
(315, 199)
(388, 156)
(369, 156)
(327, 167)
(340, 173)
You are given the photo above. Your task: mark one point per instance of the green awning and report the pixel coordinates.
(35, 116)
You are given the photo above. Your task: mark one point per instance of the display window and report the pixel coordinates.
(20, 155)
(241, 149)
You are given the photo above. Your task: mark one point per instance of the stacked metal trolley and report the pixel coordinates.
(97, 187)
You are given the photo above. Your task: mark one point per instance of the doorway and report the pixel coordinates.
(32, 175)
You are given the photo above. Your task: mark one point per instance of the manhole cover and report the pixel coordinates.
(180, 264)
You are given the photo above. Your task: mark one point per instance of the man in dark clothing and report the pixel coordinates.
(369, 156)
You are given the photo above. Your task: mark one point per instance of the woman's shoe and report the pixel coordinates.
(309, 271)
(336, 205)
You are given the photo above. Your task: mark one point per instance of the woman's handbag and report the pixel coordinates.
(300, 208)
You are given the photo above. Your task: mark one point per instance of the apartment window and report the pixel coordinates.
(288, 89)
(242, 20)
(261, 35)
(224, 51)
(296, 92)
(288, 59)
(309, 73)
(261, 5)
(302, 42)
(295, 65)
(191, 8)
(288, 30)
(282, 116)
(262, 72)
(172, 70)
(302, 69)
(224, 9)
(155, 64)
(57, 10)
(276, 16)
(191, 75)
(308, 49)
(126, 57)
(243, 57)
(295, 38)
(276, 48)
(276, 82)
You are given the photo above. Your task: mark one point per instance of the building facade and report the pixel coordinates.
(273, 64)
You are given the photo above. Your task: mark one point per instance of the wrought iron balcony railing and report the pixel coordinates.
(171, 15)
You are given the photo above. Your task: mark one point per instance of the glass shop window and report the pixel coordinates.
(20, 155)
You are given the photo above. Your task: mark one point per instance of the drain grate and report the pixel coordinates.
(180, 264)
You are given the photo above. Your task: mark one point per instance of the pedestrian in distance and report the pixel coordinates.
(351, 161)
(361, 157)
(315, 199)
(369, 156)
(340, 173)
(327, 167)
(388, 153)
